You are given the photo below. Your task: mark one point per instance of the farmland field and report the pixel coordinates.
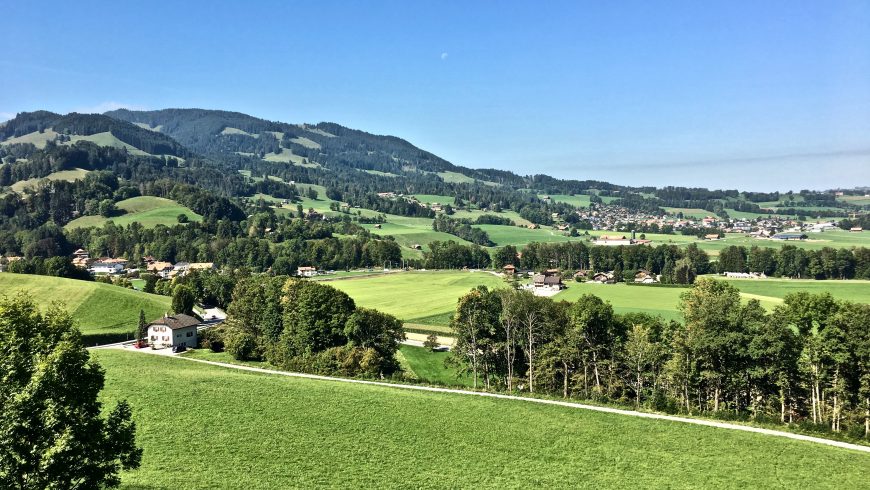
(816, 241)
(852, 290)
(100, 309)
(520, 236)
(226, 425)
(150, 211)
(428, 366)
(414, 295)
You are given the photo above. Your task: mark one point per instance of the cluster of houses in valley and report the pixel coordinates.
(116, 266)
(434, 206)
(550, 282)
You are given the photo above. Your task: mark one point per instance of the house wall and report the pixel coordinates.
(163, 334)
(181, 336)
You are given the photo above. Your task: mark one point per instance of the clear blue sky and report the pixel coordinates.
(754, 95)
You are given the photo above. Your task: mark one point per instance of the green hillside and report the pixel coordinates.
(103, 311)
(250, 430)
(67, 175)
(150, 211)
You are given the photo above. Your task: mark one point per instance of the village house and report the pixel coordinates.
(509, 269)
(162, 269)
(603, 278)
(173, 331)
(645, 277)
(581, 275)
(106, 267)
(81, 259)
(306, 271)
(550, 279)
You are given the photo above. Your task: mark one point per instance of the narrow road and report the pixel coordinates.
(631, 413)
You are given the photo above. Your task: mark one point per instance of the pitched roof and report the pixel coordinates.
(175, 322)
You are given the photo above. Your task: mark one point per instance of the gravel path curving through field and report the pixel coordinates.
(632, 413)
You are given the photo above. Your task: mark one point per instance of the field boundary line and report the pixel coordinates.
(618, 411)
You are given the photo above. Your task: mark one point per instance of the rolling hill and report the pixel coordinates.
(103, 312)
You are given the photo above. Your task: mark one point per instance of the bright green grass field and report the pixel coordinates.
(428, 366)
(852, 290)
(415, 295)
(205, 426)
(150, 211)
(100, 309)
(629, 299)
(519, 236)
(432, 198)
(577, 200)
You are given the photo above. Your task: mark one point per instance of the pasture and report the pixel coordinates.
(149, 211)
(815, 241)
(852, 290)
(251, 430)
(102, 311)
(410, 296)
(67, 175)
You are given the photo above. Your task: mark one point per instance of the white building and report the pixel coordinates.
(106, 268)
(171, 331)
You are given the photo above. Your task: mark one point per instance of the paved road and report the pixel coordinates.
(631, 413)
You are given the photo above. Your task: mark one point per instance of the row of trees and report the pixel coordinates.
(794, 262)
(461, 229)
(808, 361)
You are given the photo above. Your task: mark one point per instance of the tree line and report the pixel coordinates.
(807, 362)
(791, 261)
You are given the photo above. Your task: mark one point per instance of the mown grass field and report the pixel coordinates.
(230, 428)
(149, 211)
(102, 310)
(415, 295)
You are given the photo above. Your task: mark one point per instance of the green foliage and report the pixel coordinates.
(52, 433)
(183, 299)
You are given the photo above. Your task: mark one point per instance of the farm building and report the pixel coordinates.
(171, 331)
(160, 268)
(645, 277)
(509, 269)
(549, 279)
(612, 240)
(603, 278)
(856, 229)
(106, 267)
(711, 236)
(581, 275)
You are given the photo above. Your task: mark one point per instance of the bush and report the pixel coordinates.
(242, 345)
(212, 339)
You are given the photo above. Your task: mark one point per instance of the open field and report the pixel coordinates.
(35, 138)
(415, 295)
(689, 212)
(815, 241)
(577, 200)
(67, 175)
(434, 198)
(149, 211)
(455, 177)
(856, 200)
(520, 236)
(852, 290)
(102, 310)
(629, 299)
(266, 431)
(428, 366)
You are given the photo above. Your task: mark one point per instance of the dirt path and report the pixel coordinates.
(631, 413)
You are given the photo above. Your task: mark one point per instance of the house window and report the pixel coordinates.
(190, 334)
(153, 337)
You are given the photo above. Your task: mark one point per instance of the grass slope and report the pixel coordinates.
(102, 310)
(250, 430)
(67, 175)
(414, 295)
(150, 211)
(429, 366)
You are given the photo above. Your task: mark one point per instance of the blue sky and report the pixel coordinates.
(716, 94)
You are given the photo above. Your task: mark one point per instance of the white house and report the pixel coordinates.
(306, 271)
(106, 268)
(171, 331)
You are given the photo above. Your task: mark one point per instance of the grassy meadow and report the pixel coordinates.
(149, 211)
(415, 295)
(103, 311)
(67, 175)
(815, 241)
(249, 430)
